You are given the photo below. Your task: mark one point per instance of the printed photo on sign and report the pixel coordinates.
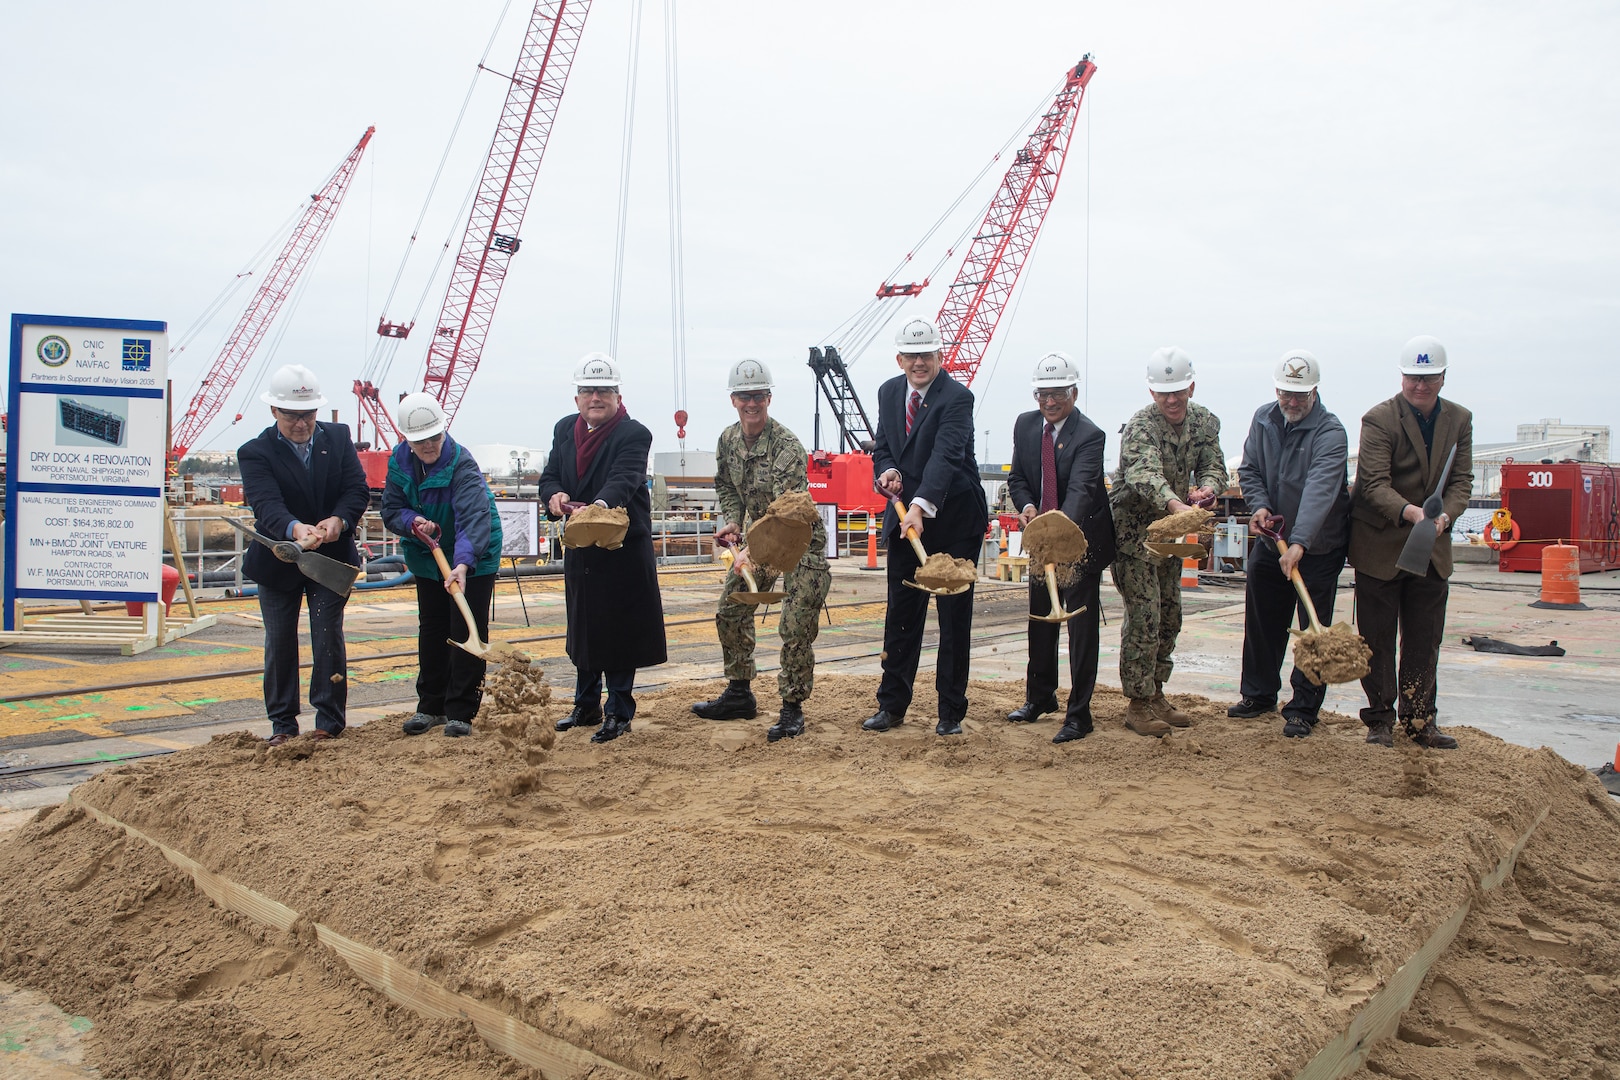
(96, 421)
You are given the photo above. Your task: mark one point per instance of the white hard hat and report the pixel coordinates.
(1423, 355)
(294, 388)
(1298, 371)
(750, 375)
(421, 416)
(1169, 369)
(918, 336)
(1055, 370)
(597, 369)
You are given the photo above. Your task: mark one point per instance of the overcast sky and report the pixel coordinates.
(1261, 177)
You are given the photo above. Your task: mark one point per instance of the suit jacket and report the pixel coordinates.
(1394, 468)
(936, 460)
(615, 613)
(1082, 495)
(280, 491)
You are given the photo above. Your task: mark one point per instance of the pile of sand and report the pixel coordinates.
(1336, 655)
(691, 901)
(943, 571)
(596, 525)
(1053, 539)
(795, 506)
(1175, 527)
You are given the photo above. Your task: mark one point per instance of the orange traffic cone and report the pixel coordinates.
(1189, 567)
(871, 543)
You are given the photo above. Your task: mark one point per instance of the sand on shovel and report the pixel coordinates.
(779, 539)
(1169, 530)
(1336, 655)
(795, 506)
(597, 525)
(943, 571)
(1053, 538)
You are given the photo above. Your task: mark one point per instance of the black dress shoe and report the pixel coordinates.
(612, 728)
(948, 727)
(1248, 708)
(1071, 731)
(582, 716)
(1029, 711)
(1432, 737)
(1381, 733)
(1298, 727)
(882, 721)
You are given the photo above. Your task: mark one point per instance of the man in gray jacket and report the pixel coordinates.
(1294, 468)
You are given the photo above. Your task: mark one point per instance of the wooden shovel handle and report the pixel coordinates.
(911, 534)
(1299, 585)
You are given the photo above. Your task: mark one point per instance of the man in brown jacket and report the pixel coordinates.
(1405, 443)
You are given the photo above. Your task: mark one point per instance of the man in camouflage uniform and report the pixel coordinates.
(758, 461)
(1169, 448)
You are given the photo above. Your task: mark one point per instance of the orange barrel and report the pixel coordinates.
(1189, 566)
(1560, 574)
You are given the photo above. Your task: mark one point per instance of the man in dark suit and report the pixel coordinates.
(304, 482)
(923, 454)
(1057, 464)
(1405, 443)
(615, 614)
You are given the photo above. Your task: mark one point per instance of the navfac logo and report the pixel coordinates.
(53, 350)
(1296, 369)
(137, 354)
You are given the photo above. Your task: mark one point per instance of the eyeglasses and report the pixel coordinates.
(598, 391)
(1294, 397)
(1053, 395)
(751, 396)
(296, 417)
(431, 440)
(1424, 380)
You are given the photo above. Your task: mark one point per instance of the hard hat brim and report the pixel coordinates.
(916, 350)
(1170, 388)
(1293, 387)
(1426, 369)
(1054, 384)
(292, 406)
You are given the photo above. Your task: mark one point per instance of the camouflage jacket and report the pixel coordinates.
(747, 480)
(1157, 463)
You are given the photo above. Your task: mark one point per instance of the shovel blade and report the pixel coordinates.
(486, 650)
(1419, 547)
(329, 573)
(940, 592)
(1058, 616)
(752, 598)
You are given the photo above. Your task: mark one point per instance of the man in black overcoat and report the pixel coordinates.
(1057, 464)
(304, 482)
(923, 454)
(615, 615)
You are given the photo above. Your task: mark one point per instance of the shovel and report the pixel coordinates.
(1420, 545)
(1273, 532)
(1053, 528)
(580, 534)
(1180, 550)
(492, 650)
(753, 596)
(1322, 664)
(922, 557)
(321, 569)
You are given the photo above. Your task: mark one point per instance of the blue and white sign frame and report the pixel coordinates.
(85, 449)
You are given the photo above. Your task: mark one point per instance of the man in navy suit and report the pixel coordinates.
(304, 482)
(923, 454)
(1057, 464)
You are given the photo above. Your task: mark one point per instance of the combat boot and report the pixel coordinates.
(1167, 712)
(789, 723)
(1430, 736)
(736, 703)
(1140, 719)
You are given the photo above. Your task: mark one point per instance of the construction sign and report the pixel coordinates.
(85, 453)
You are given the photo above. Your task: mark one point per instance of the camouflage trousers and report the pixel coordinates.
(1151, 590)
(798, 625)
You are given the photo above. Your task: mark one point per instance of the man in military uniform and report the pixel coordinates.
(756, 462)
(1169, 448)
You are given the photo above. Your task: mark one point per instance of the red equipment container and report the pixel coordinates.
(1571, 502)
(845, 479)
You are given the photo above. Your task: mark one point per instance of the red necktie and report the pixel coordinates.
(1048, 472)
(911, 409)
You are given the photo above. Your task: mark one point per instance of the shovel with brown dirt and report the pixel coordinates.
(595, 526)
(334, 575)
(484, 650)
(1053, 540)
(939, 573)
(753, 596)
(1336, 654)
(1165, 536)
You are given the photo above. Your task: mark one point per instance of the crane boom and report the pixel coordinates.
(266, 303)
(973, 305)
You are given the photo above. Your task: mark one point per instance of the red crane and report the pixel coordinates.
(266, 303)
(973, 304)
(491, 237)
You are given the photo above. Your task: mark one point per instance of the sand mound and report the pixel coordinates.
(942, 571)
(1336, 655)
(596, 525)
(1176, 526)
(699, 903)
(1052, 538)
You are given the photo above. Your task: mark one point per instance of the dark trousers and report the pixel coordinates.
(1415, 609)
(1272, 606)
(1041, 676)
(329, 697)
(450, 681)
(620, 701)
(903, 632)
